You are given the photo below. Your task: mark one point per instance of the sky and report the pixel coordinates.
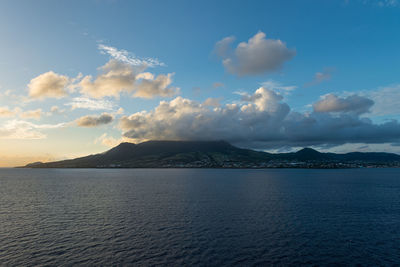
(79, 77)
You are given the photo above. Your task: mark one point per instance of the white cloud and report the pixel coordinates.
(118, 77)
(18, 129)
(123, 73)
(188, 120)
(55, 110)
(48, 84)
(351, 104)
(149, 86)
(277, 86)
(29, 114)
(129, 58)
(32, 114)
(91, 104)
(6, 112)
(386, 100)
(10, 97)
(108, 141)
(258, 55)
(94, 121)
(115, 78)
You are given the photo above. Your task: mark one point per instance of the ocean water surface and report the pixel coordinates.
(208, 217)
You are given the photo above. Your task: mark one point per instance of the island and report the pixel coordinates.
(218, 154)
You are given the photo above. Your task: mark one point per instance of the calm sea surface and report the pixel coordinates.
(209, 217)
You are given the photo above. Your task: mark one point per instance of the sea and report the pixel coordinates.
(199, 217)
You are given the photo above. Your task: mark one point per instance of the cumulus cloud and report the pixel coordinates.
(91, 104)
(32, 114)
(48, 84)
(223, 47)
(127, 57)
(123, 73)
(149, 86)
(117, 77)
(351, 104)
(19, 129)
(258, 55)
(184, 119)
(261, 120)
(94, 121)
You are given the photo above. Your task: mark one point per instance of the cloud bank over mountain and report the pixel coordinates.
(261, 120)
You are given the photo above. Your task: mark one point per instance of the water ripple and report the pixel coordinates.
(199, 217)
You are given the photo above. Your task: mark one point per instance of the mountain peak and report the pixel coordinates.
(307, 150)
(121, 148)
(124, 144)
(308, 154)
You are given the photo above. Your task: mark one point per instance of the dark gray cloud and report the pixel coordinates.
(319, 129)
(93, 121)
(351, 104)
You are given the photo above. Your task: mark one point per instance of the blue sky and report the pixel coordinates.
(341, 48)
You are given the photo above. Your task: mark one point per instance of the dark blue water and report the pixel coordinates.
(199, 217)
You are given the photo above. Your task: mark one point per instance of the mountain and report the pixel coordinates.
(214, 154)
(162, 154)
(309, 154)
